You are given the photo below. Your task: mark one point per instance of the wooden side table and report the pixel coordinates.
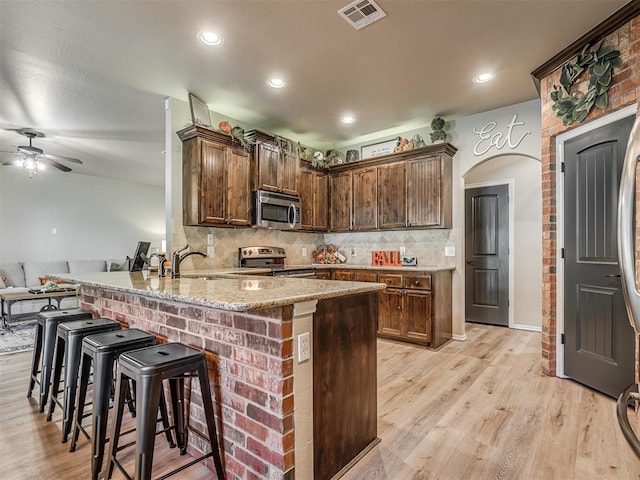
(7, 299)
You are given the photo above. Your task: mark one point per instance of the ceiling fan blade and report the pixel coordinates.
(9, 162)
(61, 158)
(53, 163)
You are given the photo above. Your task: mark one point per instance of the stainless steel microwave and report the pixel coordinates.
(275, 210)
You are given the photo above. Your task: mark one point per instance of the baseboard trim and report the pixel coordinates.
(530, 328)
(459, 338)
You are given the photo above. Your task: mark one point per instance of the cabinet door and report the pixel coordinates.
(288, 173)
(212, 183)
(392, 196)
(340, 186)
(321, 201)
(307, 202)
(238, 188)
(417, 313)
(268, 159)
(365, 199)
(390, 312)
(423, 193)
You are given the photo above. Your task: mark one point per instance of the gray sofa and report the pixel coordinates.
(21, 276)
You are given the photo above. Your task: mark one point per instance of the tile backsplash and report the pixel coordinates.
(427, 246)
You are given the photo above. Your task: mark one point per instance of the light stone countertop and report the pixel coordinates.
(229, 292)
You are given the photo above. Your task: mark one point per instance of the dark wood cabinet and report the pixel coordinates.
(429, 192)
(323, 274)
(341, 201)
(365, 199)
(347, 275)
(390, 313)
(415, 307)
(215, 179)
(409, 189)
(276, 170)
(314, 199)
(392, 196)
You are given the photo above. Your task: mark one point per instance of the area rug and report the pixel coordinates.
(18, 338)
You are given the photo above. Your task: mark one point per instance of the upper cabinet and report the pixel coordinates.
(402, 190)
(314, 199)
(216, 177)
(392, 197)
(365, 201)
(429, 192)
(276, 170)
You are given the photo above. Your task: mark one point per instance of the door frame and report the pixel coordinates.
(509, 182)
(560, 141)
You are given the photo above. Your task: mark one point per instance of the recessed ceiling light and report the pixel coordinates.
(210, 38)
(275, 82)
(484, 77)
(348, 119)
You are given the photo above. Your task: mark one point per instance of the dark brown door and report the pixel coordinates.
(392, 196)
(365, 199)
(340, 187)
(599, 341)
(487, 255)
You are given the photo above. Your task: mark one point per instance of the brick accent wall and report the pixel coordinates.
(250, 361)
(625, 90)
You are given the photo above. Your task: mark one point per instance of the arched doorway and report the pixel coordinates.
(520, 175)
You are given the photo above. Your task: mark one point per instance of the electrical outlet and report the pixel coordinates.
(210, 251)
(304, 251)
(402, 251)
(210, 238)
(304, 347)
(450, 251)
(353, 251)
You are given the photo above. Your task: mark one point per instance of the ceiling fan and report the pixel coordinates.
(33, 158)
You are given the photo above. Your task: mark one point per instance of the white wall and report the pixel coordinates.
(95, 218)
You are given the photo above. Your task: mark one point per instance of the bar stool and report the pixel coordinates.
(102, 350)
(149, 367)
(69, 349)
(44, 345)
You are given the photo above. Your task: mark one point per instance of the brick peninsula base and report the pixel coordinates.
(250, 358)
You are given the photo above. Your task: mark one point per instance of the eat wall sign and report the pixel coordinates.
(386, 258)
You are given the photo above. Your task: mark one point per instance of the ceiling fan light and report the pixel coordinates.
(19, 162)
(29, 164)
(40, 165)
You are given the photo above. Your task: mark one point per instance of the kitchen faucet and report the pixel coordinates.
(178, 256)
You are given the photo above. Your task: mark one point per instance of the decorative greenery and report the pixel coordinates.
(576, 106)
(437, 125)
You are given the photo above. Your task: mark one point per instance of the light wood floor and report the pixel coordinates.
(479, 409)
(482, 409)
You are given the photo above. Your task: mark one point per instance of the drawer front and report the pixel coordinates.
(418, 282)
(343, 275)
(391, 279)
(365, 276)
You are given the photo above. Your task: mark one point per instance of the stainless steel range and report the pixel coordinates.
(274, 259)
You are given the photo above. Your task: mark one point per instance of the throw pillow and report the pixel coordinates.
(44, 280)
(2, 281)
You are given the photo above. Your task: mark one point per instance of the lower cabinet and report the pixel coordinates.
(415, 307)
(323, 274)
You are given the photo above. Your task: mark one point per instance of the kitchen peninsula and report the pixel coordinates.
(281, 416)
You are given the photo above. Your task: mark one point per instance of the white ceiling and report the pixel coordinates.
(92, 75)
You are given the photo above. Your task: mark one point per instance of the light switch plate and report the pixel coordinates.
(210, 251)
(210, 238)
(450, 251)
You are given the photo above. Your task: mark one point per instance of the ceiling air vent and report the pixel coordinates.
(361, 13)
